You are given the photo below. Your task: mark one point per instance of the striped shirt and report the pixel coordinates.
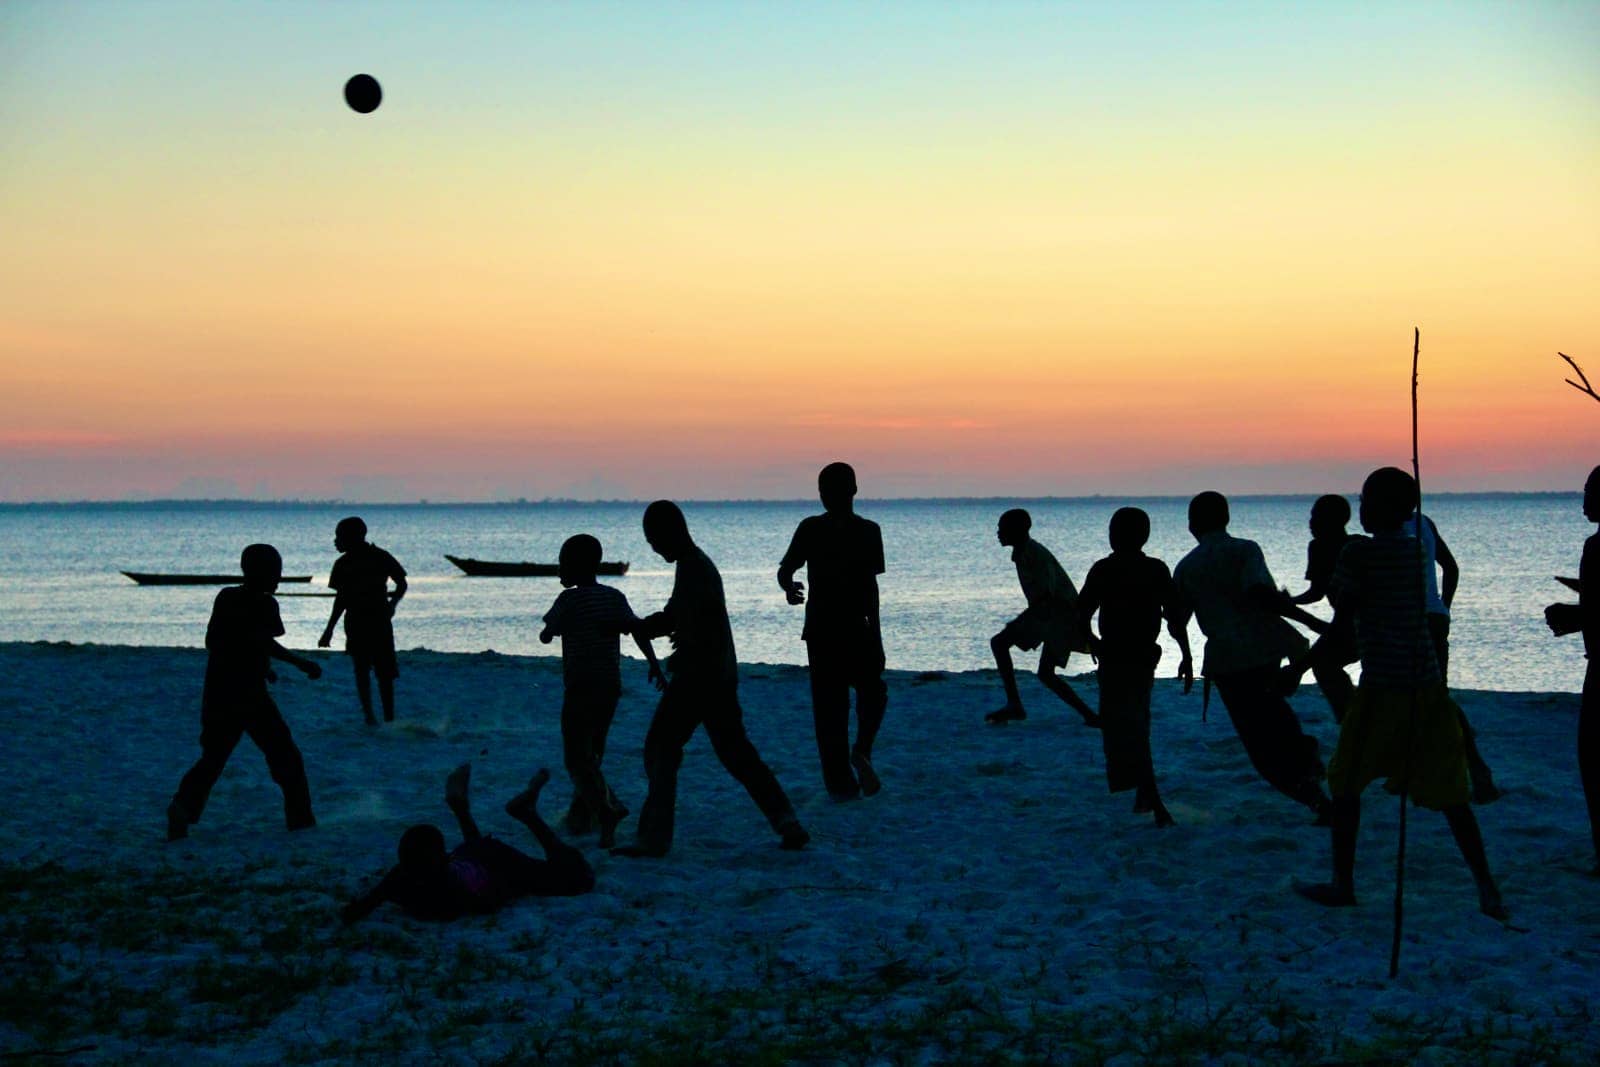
(589, 619)
(1379, 580)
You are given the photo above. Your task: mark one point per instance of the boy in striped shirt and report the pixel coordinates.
(1401, 724)
(589, 618)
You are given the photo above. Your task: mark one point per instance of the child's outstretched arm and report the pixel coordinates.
(368, 902)
(309, 667)
(655, 676)
(333, 617)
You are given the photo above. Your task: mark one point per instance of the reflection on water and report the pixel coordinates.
(949, 587)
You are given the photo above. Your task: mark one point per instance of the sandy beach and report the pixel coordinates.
(994, 902)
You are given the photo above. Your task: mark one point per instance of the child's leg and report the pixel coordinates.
(567, 872)
(386, 695)
(1469, 838)
(1058, 685)
(220, 730)
(364, 688)
(271, 734)
(1001, 645)
(456, 788)
(1341, 892)
(1589, 751)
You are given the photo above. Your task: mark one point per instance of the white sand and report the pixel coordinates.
(994, 879)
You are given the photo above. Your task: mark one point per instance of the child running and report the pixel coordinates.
(589, 617)
(1131, 591)
(1224, 583)
(1326, 659)
(704, 689)
(481, 875)
(1050, 620)
(1401, 724)
(240, 640)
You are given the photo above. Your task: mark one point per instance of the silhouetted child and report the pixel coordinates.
(589, 618)
(843, 556)
(240, 640)
(1225, 584)
(360, 580)
(1132, 592)
(1326, 659)
(481, 874)
(1401, 725)
(1050, 622)
(1584, 617)
(704, 688)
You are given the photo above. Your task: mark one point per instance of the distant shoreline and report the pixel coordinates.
(246, 504)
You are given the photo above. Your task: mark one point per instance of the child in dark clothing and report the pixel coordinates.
(589, 617)
(1326, 659)
(1401, 724)
(1131, 591)
(1051, 622)
(480, 875)
(1584, 616)
(360, 578)
(1328, 518)
(241, 638)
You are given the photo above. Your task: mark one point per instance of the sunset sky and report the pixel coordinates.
(698, 250)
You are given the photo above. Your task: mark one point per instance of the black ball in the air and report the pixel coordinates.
(363, 93)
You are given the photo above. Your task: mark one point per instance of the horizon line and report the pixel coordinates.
(523, 502)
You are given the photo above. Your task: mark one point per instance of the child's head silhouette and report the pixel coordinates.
(1388, 497)
(836, 485)
(1208, 512)
(349, 533)
(1014, 526)
(579, 559)
(1130, 529)
(261, 566)
(1329, 515)
(422, 850)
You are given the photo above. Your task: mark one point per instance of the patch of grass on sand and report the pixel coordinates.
(150, 963)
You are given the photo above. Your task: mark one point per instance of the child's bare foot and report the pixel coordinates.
(528, 799)
(1328, 894)
(177, 822)
(1090, 718)
(1164, 817)
(456, 785)
(608, 820)
(1009, 713)
(870, 783)
(372, 720)
(1490, 904)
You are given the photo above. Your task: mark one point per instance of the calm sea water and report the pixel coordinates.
(949, 585)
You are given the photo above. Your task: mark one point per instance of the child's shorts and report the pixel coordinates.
(1412, 737)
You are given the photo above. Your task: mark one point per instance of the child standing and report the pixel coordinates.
(1050, 622)
(589, 617)
(240, 639)
(1402, 724)
(360, 578)
(843, 556)
(1131, 591)
(1584, 616)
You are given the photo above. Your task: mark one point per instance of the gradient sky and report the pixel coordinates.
(630, 250)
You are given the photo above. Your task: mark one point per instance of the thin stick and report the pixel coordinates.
(1585, 387)
(1411, 729)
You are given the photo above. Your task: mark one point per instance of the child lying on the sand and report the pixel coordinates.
(481, 875)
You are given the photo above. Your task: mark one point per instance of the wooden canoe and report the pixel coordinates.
(146, 578)
(484, 568)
